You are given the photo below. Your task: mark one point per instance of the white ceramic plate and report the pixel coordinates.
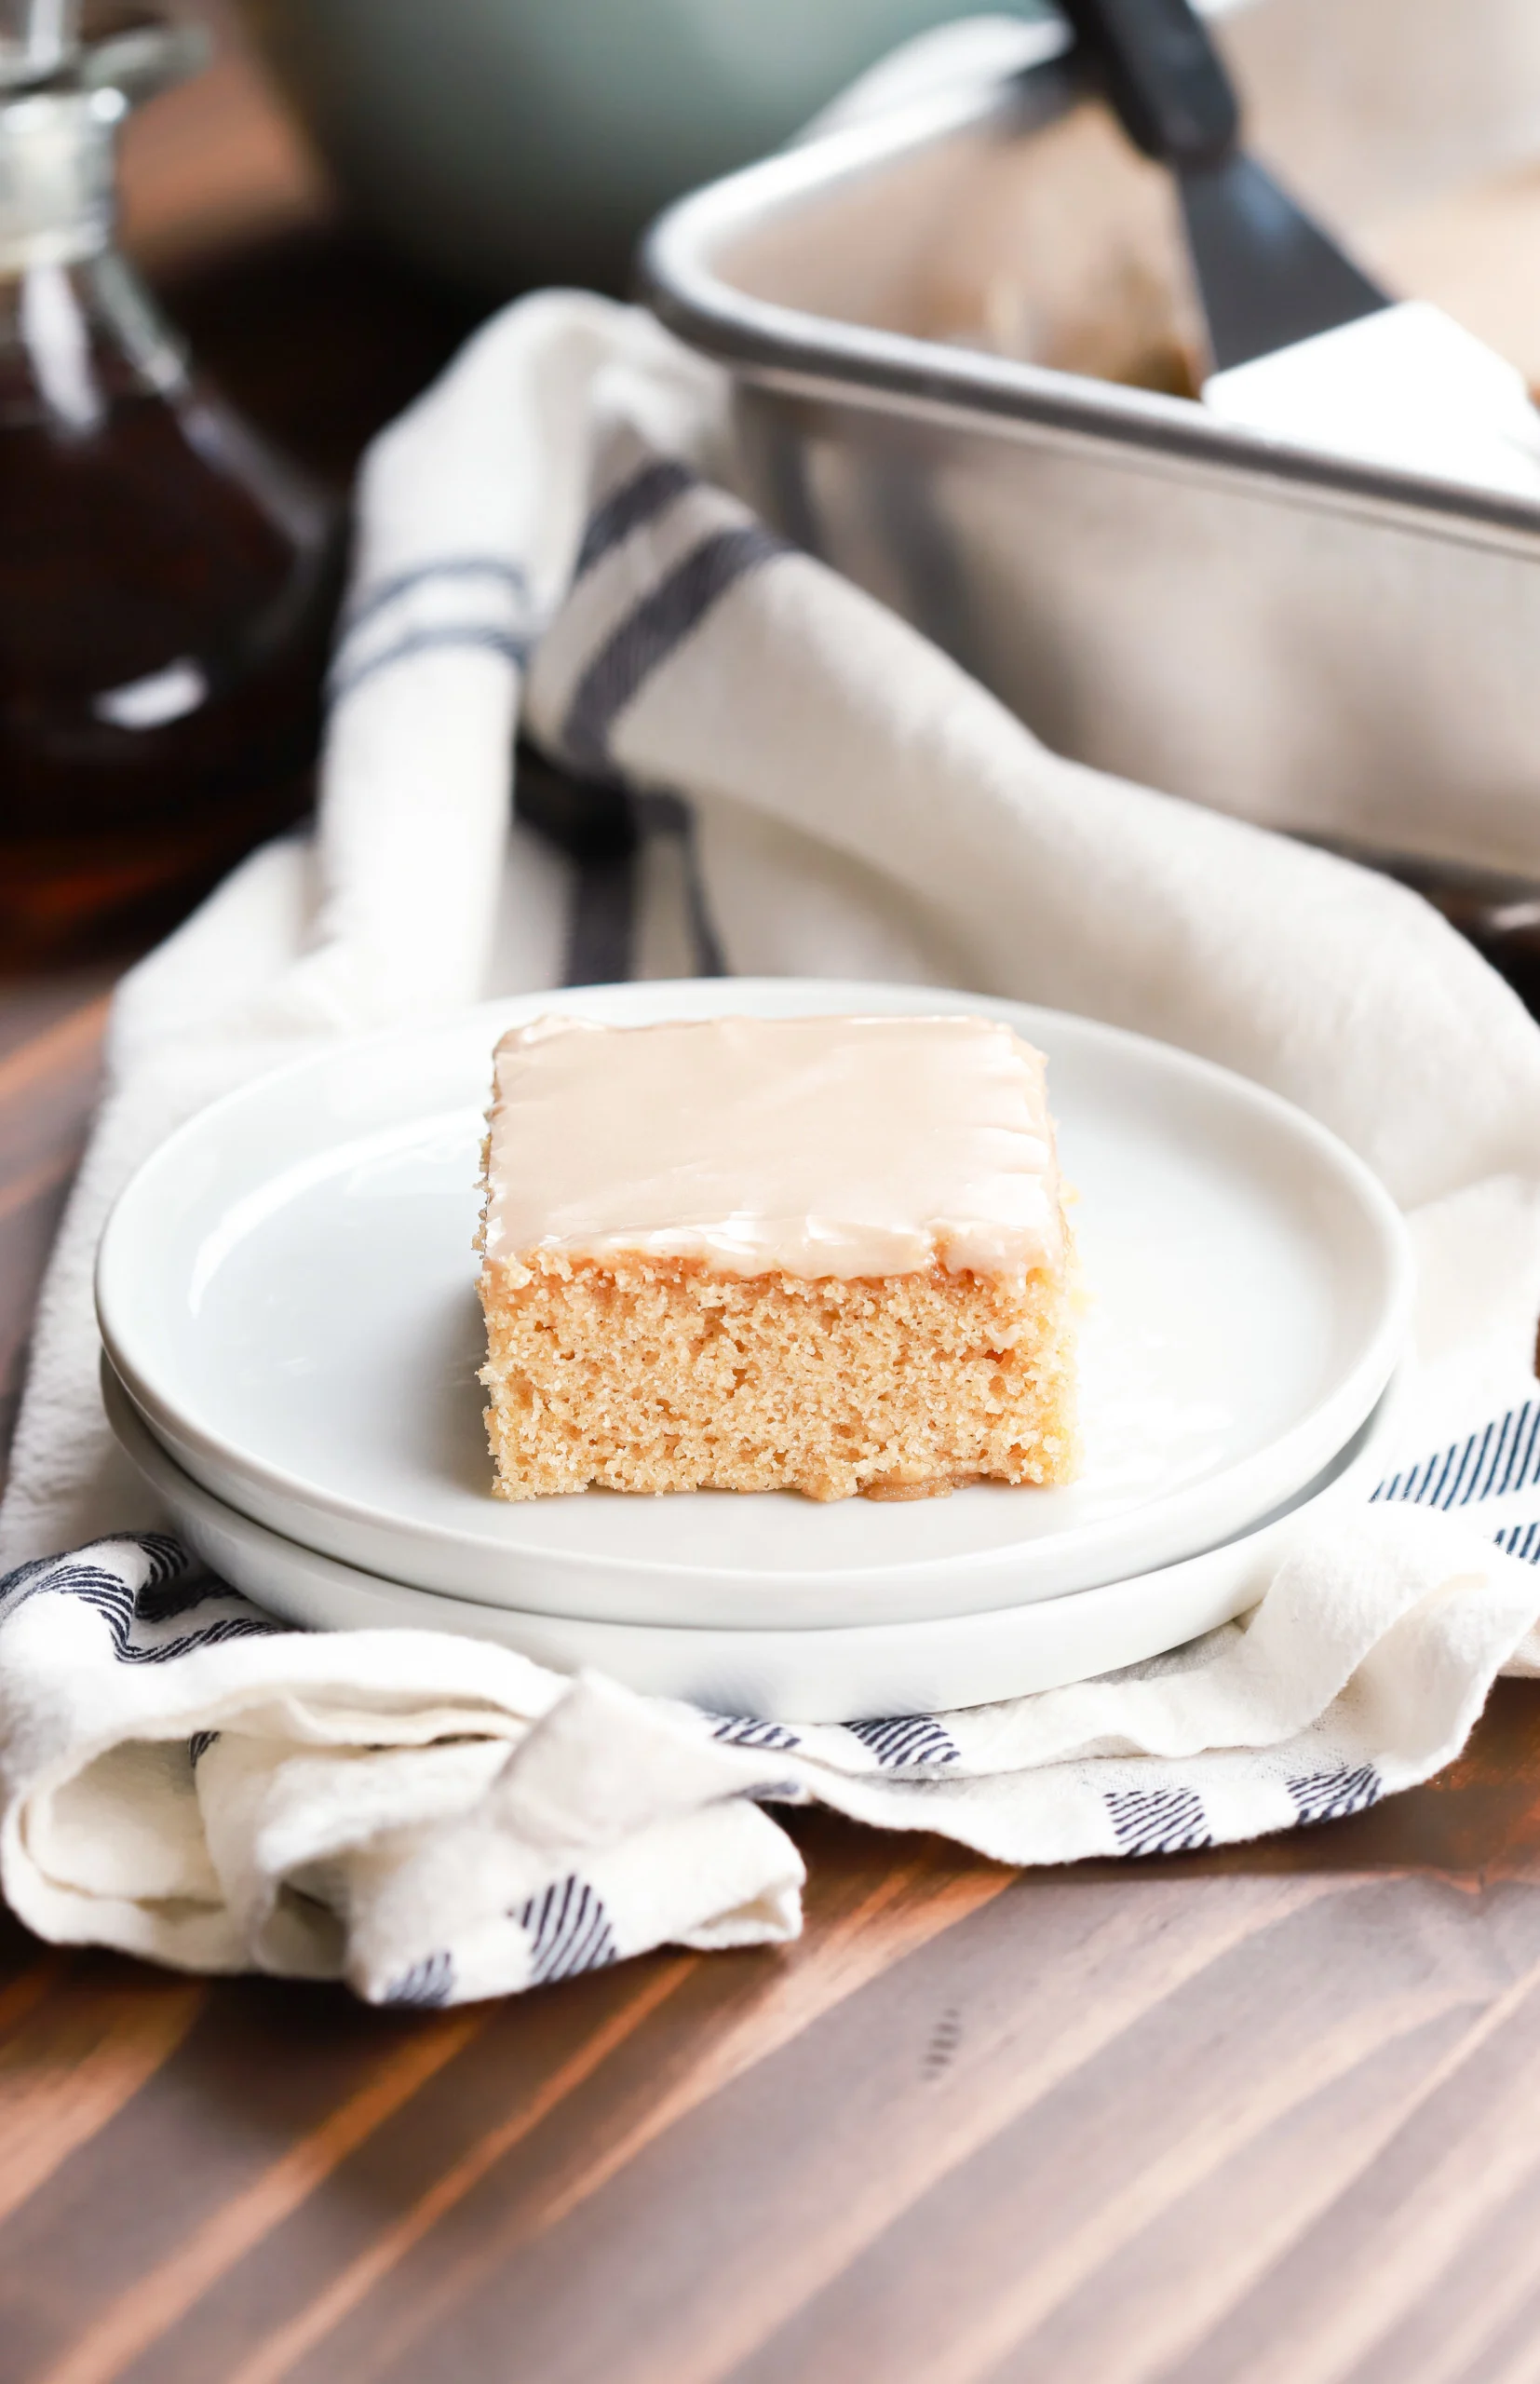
(287, 1290)
(833, 1675)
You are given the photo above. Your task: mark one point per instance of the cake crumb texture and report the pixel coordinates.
(655, 1375)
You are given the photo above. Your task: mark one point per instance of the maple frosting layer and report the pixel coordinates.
(809, 1146)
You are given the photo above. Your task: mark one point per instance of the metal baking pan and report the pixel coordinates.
(1341, 651)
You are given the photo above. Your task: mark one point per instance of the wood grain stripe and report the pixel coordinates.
(1126, 1970)
(886, 1923)
(22, 1190)
(982, 2338)
(67, 2069)
(75, 1043)
(1522, 2368)
(26, 1992)
(278, 2353)
(850, 1956)
(131, 2323)
(1502, 2293)
(1488, 2162)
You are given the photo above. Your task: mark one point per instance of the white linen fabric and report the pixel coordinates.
(551, 534)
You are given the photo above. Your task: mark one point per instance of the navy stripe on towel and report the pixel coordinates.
(1331, 1796)
(370, 602)
(1503, 1455)
(1158, 1821)
(569, 1932)
(428, 1984)
(905, 1740)
(476, 636)
(645, 639)
(641, 499)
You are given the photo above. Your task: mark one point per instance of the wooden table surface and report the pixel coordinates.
(1270, 2115)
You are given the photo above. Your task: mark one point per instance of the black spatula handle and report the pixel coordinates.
(1163, 75)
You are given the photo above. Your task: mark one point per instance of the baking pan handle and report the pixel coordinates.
(1163, 75)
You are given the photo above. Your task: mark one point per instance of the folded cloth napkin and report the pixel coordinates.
(552, 534)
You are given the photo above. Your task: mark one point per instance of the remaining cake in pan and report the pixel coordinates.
(826, 1254)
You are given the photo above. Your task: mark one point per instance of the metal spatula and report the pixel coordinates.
(1305, 346)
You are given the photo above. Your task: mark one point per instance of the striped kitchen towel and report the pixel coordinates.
(558, 541)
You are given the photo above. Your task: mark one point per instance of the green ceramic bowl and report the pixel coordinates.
(504, 142)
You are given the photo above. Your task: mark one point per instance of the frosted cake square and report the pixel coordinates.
(825, 1254)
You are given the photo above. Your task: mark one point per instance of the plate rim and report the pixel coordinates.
(1380, 1427)
(1357, 1391)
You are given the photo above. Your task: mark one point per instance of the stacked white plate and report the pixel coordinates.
(288, 1306)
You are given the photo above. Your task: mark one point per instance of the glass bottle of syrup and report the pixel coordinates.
(167, 582)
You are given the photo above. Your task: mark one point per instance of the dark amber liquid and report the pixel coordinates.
(162, 560)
